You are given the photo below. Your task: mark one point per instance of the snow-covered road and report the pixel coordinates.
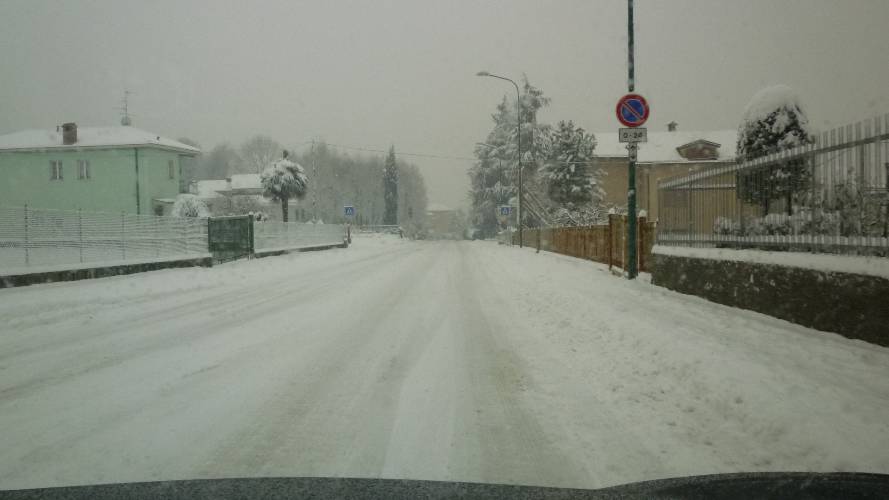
(426, 360)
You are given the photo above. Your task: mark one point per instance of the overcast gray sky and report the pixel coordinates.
(402, 71)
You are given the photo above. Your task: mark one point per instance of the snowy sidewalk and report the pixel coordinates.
(464, 361)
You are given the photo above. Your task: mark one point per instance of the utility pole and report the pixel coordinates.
(632, 265)
(315, 188)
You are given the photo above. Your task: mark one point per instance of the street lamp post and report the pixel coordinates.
(518, 136)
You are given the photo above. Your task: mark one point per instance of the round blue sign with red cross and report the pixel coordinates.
(632, 110)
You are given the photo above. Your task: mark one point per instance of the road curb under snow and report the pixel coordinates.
(95, 270)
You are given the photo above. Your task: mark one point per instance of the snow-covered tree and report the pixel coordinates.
(283, 180)
(258, 152)
(222, 161)
(390, 189)
(351, 179)
(412, 199)
(189, 205)
(773, 121)
(568, 173)
(494, 177)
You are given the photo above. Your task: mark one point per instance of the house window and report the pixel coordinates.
(83, 169)
(171, 172)
(55, 170)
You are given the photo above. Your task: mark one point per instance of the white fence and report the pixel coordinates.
(272, 235)
(43, 239)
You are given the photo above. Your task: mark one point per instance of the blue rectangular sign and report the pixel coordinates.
(349, 210)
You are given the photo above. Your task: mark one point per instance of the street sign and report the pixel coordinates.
(632, 110)
(349, 210)
(505, 210)
(632, 134)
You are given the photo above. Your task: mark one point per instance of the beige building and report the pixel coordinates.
(667, 153)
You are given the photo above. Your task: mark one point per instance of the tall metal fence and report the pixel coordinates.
(44, 238)
(831, 196)
(272, 235)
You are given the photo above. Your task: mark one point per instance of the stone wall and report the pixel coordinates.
(853, 305)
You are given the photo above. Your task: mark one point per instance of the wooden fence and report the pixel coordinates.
(606, 243)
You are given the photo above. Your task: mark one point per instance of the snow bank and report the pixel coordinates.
(853, 264)
(638, 382)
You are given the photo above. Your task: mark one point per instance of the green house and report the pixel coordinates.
(104, 169)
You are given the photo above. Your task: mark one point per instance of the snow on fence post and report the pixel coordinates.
(27, 242)
(186, 226)
(251, 236)
(80, 231)
(123, 235)
(157, 238)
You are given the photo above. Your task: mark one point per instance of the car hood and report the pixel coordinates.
(784, 485)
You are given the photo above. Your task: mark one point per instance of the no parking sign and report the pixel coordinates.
(632, 110)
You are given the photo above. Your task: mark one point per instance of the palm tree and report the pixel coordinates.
(283, 180)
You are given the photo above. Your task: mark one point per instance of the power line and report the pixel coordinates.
(400, 153)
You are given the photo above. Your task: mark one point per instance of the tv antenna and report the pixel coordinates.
(126, 120)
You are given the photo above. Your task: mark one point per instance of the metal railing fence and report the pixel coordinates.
(831, 196)
(273, 235)
(32, 238)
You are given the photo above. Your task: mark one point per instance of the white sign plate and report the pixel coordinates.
(639, 134)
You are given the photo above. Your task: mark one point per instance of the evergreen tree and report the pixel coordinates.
(774, 121)
(568, 171)
(494, 177)
(390, 189)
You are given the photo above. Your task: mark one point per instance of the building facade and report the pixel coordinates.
(102, 169)
(443, 222)
(666, 154)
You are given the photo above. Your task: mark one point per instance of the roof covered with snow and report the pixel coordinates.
(209, 188)
(91, 137)
(662, 146)
(239, 182)
(246, 181)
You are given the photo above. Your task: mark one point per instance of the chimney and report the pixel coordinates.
(69, 133)
(672, 126)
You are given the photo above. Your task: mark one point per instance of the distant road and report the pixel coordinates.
(463, 361)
